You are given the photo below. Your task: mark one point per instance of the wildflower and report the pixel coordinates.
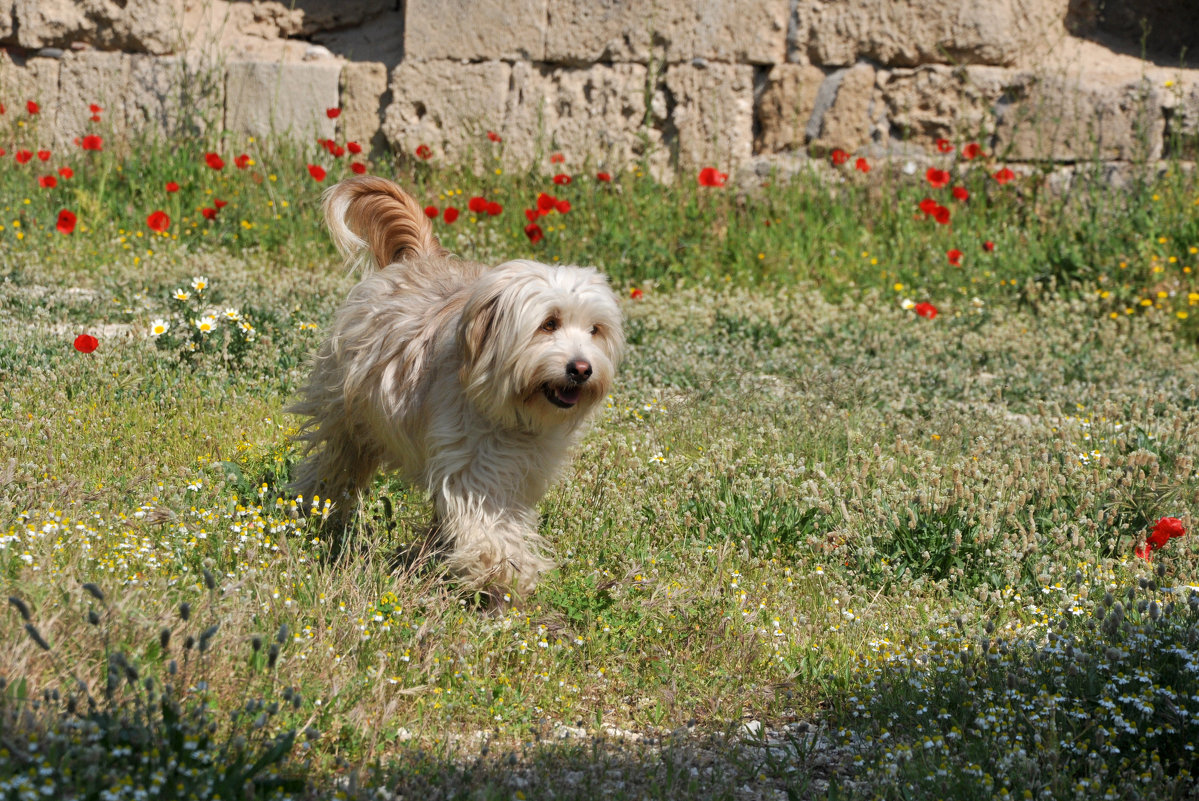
(214, 161)
(23, 156)
(450, 214)
(208, 213)
(941, 215)
(1004, 175)
(635, 294)
(423, 151)
(200, 283)
(493, 209)
(66, 222)
(232, 314)
(546, 203)
(92, 142)
(181, 294)
(971, 151)
(354, 148)
(32, 107)
(861, 165)
(606, 177)
(961, 193)
(172, 186)
(86, 343)
(532, 214)
(1166, 529)
(431, 212)
(47, 181)
(943, 146)
(159, 327)
(477, 204)
(534, 233)
(317, 172)
(332, 113)
(929, 206)
(989, 246)
(562, 179)
(709, 176)
(557, 158)
(43, 155)
(66, 172)
(955, 257)
(158, 221)
(839, 157)
(242, 161)
(563, 206)
(357, 167)
(220, 204)
(495, 137)
(937, 179)
(94, 109)
(206, 324)
(925, 309)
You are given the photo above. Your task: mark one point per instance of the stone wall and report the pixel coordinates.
(671, 83)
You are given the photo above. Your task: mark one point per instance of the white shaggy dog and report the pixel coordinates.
(472, 382)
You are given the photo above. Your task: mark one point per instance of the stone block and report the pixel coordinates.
(1069, 118)
(847, 110)
(136, 26)
(262, 98)
(7, 16)
(447, 105)
(363, 85)
(475, 29)
(785, 105)
(33, 79)
(380, 39)
(712, 114)
(173, 96)
(88, 77)
(939, 102)
(587, 31)
(317, 16)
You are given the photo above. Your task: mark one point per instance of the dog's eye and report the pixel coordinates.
(550, 325)
(594, 330)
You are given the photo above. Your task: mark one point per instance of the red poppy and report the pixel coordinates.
(208, 213)
(929, 206)
(635, 293)
(562, 179)
(354, 147)
(709, 176)
(839, 157)
(1143, 551)
(338, 151)
(32, 108)
(220, 204)
(86, 343)
(357, 167)
(941, 215)
(332, 113)
(989, 246)
(477, 204)
(926, 309)
(66, 172)
(937, 179)
(961, 193)
(172, 186)
(955, 257)
(546, 202)
(563, 206)
(943, 146)
(158, 221)
(450, 214)
(2, 109)
(47, 181)
(215, 161)
(93, 108)
(23, 156)
(242, 161)
(43, 155)
(1169, 528)
(431, 212)
(557, 158)
(424, 152)
(532, 214)
(971, 151)
(606, 177)
(493, 209)
(317, 172)
(66, 222)
(861, 165)
(92, 142)
(534, 233)
(495, 137)
(1004, 175)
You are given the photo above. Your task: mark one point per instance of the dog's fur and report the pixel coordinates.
(472, 382)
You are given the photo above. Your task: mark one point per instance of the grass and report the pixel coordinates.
(810, 533)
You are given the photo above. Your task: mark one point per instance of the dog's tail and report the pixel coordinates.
(374, 223)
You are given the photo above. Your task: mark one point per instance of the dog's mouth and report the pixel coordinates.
(562, 397)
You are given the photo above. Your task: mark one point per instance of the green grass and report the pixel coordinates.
(797, 488)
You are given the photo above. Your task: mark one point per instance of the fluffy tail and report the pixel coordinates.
(375, 223)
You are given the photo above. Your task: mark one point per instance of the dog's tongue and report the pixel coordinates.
(570, 396)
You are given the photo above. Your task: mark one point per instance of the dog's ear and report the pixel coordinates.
(478, 323)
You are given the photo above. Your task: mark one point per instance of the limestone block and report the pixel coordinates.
(1068, 118)
(846, 110)
(34, 79)
(597, 113)
(363, 85)
(908, 33)
(475, 29)
(380, 39)
(90, 77)
(7, 9)
(447, 105)
(174, 96)
(586, 31)
(331, 15)
(785, 106)
(713, 113)
(938, 102)
(137, 26)
(268, 97)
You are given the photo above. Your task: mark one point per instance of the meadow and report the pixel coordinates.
(892, 498)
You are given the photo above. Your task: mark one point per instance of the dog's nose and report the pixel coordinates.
(578, 371)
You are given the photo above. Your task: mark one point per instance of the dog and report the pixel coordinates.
(472, 382)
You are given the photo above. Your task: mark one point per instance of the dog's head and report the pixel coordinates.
(540, 344)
